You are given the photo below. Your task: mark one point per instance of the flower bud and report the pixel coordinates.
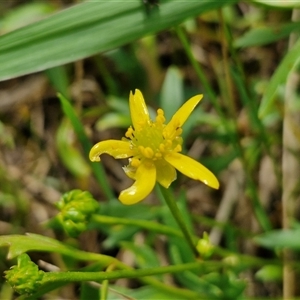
(204, 247)
(25, 277)
(76, 208)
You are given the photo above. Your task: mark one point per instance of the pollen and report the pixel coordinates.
(129, 133)
(151, 141)
(148, 152)
(135, 162)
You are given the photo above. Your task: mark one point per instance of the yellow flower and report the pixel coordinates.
(153, 150)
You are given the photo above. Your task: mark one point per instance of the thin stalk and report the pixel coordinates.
(66, 277)
(148, 225)
(105, 283)
(170, 201)
(230, 93)
(129, 273)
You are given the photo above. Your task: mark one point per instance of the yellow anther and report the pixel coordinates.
(160, 118)
(158, 155)
(168, 143)
(178, 148)
(178, 131)
(161, 148)
(141, 148)
(135, 162)
(148, 152)
(129, 133)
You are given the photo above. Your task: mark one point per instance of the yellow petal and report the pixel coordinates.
(165, 173)
(142, 187)
(183, 113)
(192, 169)
(138, 109)
(115, 148)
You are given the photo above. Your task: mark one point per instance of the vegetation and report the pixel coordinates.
(66, 72)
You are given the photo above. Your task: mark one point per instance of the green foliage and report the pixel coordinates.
(86, 29)
(234, 52)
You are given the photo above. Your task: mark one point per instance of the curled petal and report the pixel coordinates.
(142, 187)
(115, 148)
(138, 109)
(166, 173)
(192, 169)
(183, 113)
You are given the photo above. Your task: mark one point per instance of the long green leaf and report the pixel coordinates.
(86, 145)
(266, 35)
(89, 28)
(280, 75)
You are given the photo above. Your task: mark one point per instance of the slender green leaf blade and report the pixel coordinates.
(171, 97)
(279, 3)
(266, 35)
(89, 28)
(288, 238)
(279, 77)
(86, 144)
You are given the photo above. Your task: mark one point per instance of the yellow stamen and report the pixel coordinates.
(148, 152)
(135, 162)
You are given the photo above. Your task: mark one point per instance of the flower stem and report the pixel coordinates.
(178, 218)
(65, 277)
(145, 224)
(129, 273)
(105, 283)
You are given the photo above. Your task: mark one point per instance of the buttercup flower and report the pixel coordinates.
(153, 149)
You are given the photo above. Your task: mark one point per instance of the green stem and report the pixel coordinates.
(105, 283)
(66, 277)
(132, 273)
(178, 218)
(149, 225)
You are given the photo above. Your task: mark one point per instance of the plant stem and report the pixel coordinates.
(178, 218)
(105, 283)
(129, 273)
(149, 225)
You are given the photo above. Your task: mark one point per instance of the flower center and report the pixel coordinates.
(151, 141)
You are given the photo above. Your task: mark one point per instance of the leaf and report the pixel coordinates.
(171, 96)
(266, 35)
(144, 293)
(69, 154)
(89, 28)
(113, 120)
(19, 244)
(269, 273)
(24, 14)
(288, 63)
(288, 238)
(86, 144)
(279, 3)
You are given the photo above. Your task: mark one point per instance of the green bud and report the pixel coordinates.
(204, 247)
(25, 277)
(76, 208)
